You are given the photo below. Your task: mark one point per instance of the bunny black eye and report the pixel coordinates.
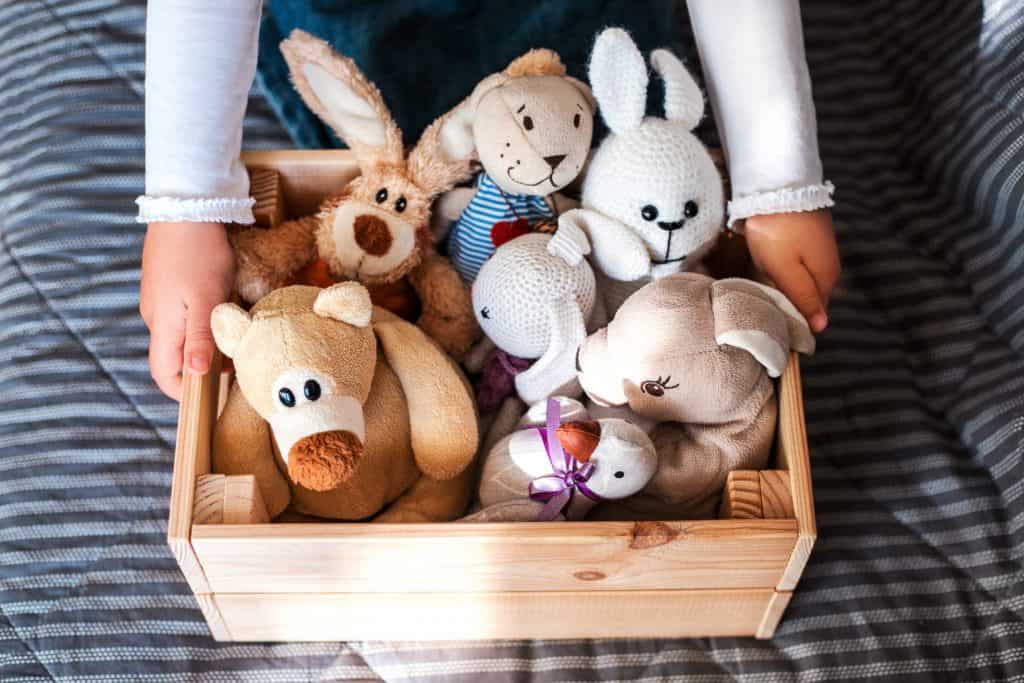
(400, 205)
(649, 212)
(690, 209)
(486, 313)
(382, 195)
(311, 389)
(620, 474)
(657, 387)
(527, 123)
(286, 397)
(576, 121)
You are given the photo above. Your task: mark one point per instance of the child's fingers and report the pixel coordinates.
(825, 269)
(165, 346)
(199, 344)
(797, 283)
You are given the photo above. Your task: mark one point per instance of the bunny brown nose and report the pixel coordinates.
(372, 235)
(554, 160)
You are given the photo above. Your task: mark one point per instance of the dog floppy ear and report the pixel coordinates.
(338, 92)
(618, 75)
(442, 415)
(759, 320)
(229, 324)
(430, 166)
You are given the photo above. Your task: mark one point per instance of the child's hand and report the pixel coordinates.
(798, 252)
(187, 269)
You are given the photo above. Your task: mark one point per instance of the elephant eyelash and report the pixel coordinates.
(665, 382)
(658, 387)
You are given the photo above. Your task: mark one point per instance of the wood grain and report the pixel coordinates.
(792, 455)
(776, 497)
(582, 556)
(474, 616)
(741, 498)
(265, 188)
(222, 499)
(773, 614)
(307, 176)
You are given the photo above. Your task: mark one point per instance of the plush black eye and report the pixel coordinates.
(690, 209)
(653, 389)
(649, 212)
(286, 397)
(400, 205)
(311, 389)
(527, 123)
(486, 313)
(382, 195)
(620, 474)
(576, 121)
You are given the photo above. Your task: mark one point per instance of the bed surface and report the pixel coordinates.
(914, 401)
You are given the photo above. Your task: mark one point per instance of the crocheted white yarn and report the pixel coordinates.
(204, 210)
(786, 200)
(652, 196)
(516, 290)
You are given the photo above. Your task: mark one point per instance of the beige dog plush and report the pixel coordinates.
(340, 408)
(697, 354)
(376, 230)
(530, 126)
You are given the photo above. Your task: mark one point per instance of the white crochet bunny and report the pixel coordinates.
(652, 198)
(533, 299)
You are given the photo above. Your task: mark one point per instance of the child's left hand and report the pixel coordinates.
(798, 252)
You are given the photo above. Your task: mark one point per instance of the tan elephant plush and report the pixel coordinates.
(696, 355)
(340, 409)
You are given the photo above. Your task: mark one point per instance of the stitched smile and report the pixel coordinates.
(551, 177)
(670, 225)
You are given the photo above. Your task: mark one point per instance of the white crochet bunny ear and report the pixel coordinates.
(618, 77)
(684, 101)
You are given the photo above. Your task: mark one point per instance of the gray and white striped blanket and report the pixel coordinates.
(914, 400)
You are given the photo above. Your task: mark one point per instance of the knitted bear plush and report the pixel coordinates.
(533, 299)
(560, 462)
(696, 355)
(530, 126)
(652, 197)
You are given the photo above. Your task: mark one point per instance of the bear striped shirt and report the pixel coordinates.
(469, 244)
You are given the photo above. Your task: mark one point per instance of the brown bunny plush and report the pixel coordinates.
(696, 355)
(340, 409)
(376, 230)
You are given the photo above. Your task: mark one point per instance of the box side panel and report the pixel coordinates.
(792, 455)
(469, 616)
(591, 556)
(307, 177)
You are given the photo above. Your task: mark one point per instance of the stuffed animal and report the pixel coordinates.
(531, 127)
(340, 409)
(652, 199)
(377, 229)
(560, 463)
(698, 354)
(533, 299)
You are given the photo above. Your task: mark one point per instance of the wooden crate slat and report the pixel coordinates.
(468, 616)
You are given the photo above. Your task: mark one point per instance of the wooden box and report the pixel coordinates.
(257, 581)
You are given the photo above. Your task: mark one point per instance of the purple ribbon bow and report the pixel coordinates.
(557, 490)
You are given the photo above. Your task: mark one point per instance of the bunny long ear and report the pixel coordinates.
(338, 92)
(618, 76)
(684, 101)
(430, 165)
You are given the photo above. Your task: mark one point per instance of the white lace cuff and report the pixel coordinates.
(203, 210)
(786, 200)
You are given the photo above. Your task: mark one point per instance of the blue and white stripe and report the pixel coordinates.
(470, 241)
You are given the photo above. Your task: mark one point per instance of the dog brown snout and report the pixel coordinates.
(323, 461)
(372, 234)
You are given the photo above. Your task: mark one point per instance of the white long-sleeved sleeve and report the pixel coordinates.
(757, 79)
(200, 64)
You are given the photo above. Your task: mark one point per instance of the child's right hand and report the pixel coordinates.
(187, 269)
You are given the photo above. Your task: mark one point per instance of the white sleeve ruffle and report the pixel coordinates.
(786, 200)
(202, 210)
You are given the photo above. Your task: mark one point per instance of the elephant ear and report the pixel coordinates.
(759, 320)
(442, 415)
(556, 368)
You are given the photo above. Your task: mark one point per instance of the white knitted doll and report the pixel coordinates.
(652, 198)
(533, 299)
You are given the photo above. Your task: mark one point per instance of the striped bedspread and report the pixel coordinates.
(915, 400)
